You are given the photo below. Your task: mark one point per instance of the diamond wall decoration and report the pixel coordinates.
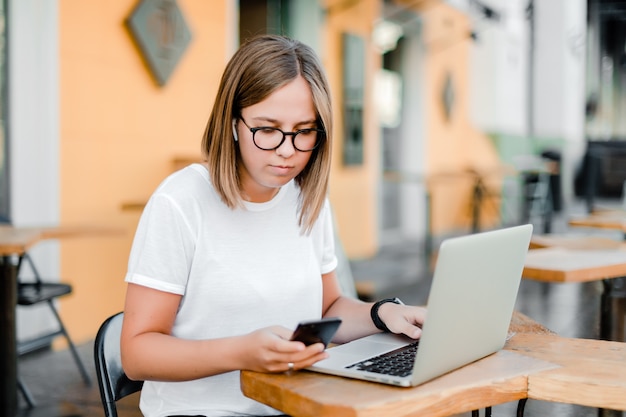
(162, 35)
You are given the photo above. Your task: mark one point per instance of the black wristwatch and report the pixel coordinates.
(374, 313)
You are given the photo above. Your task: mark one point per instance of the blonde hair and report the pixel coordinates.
(259, 67)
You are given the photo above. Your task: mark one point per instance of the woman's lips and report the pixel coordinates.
(281, 169)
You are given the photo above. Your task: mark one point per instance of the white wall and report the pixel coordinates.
(499, 69)
(413, 133)
(33, 98)
(560, 80)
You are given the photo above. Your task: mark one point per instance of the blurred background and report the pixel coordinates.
(451, 117)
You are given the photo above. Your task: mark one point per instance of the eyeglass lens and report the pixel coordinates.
(271, 138)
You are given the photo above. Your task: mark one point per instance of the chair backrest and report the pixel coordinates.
(25, 257)
(113, 382)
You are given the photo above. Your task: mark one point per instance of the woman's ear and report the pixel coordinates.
(235, 136)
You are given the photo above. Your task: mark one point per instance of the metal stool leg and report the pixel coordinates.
(73, 350)
(612, 320)
(520, 407)
(26, 393)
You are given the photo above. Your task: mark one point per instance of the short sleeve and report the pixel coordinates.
(163, 247)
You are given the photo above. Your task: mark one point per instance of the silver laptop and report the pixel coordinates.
(470, 306)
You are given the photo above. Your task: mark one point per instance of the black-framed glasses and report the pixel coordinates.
(269, 138)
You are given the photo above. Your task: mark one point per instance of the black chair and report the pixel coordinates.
(113, 382)
(37, 292)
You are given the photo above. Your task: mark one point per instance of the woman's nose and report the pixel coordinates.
(286, 149)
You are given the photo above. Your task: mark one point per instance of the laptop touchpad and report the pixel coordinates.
(364, 348)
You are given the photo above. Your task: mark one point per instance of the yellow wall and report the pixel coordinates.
(353, 189)
(119, 133)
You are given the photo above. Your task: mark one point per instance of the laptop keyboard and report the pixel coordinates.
(398, 362)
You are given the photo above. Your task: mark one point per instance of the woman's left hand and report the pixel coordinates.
(403, 319)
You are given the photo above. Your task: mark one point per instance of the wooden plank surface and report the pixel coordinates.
(591, 373)
(521, 323)
(17, 240)
(80, 231)
(499, 378)
(577, 371)
(614, 220)
(574, 265)
(575, 242)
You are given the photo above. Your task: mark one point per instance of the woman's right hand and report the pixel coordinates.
(270, 350)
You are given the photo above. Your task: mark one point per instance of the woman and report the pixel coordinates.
(231, 254)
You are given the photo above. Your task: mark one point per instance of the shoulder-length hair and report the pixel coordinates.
(261, 66)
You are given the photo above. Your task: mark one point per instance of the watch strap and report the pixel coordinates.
(374, 313)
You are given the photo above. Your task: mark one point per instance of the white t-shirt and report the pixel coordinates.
(237, 270)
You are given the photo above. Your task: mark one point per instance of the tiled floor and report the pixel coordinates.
(568, 309)
(56, 385)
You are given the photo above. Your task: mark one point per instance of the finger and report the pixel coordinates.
(283, 344)
(412, 327)
(282, 332)
(413, 332)
(420, 315)
(308, 356)
(306, 362)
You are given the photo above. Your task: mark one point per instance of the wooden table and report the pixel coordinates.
(570, 241)
(609, 219)
(13, 243)
(497, 379)
(558, 264)
(557, 369)
(584, 259)
(561, 265)
(591, 372)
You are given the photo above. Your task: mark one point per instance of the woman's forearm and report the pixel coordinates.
(160, 357)
(356, 321)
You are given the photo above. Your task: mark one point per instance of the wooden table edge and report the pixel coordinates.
(18, 240)
(600, 223)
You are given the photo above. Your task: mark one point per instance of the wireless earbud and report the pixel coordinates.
(235, 130)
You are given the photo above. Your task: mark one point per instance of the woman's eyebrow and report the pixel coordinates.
(265, 119)
(276, 122)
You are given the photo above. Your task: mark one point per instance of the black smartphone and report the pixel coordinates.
(316, 331)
